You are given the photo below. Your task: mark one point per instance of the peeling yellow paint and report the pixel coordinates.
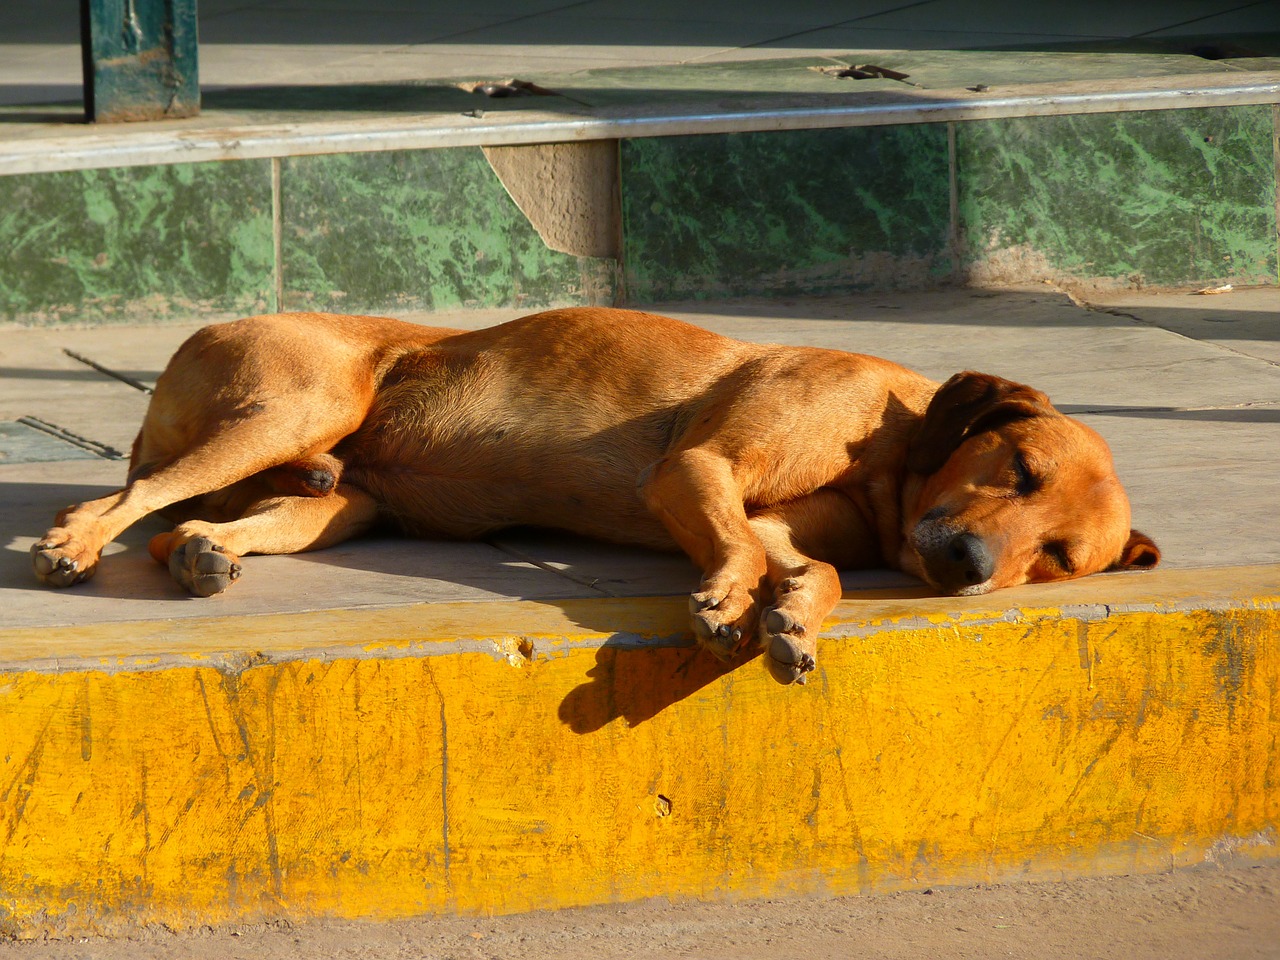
(973, 747)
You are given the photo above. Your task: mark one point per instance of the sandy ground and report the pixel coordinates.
(1208, 912)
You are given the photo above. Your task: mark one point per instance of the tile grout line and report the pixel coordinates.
(620, 228)
(105, 451)
(277, 235)
(1143, 321)
(1200, 19)
(1275, 159)
(107, 371)
(837, 24)
(953, 201)
(591, 584)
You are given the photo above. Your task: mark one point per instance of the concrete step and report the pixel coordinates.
(509, 756)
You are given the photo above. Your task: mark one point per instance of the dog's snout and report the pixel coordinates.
(955, 562)
(969, 561)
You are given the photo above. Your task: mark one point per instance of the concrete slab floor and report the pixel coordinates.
(1185, 388)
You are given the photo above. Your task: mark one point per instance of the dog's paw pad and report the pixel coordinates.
(55, 564)
(788, 662)
(203, 567)
(779, 621)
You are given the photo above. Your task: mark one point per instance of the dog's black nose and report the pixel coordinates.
(967, 561)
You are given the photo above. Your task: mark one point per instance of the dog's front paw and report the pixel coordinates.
(60, 560)
(723, 618)
(788, 651)
(203, 567)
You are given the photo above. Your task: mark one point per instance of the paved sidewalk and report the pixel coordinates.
(1186, 389)
(393, 728)
(342, 42)
(1208, 913)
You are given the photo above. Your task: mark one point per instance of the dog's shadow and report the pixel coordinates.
(637, 682)
(647, 659)
(635, 678)
(646, 662)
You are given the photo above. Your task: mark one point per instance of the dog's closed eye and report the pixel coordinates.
(1025, 482)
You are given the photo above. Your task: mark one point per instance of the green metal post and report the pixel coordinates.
(140, 59)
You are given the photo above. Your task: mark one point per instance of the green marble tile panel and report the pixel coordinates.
(419, 230)
(1158, 197)
(806, 211)
(136, 242)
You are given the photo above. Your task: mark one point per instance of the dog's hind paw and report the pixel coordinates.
(783, 642)
(203, 567)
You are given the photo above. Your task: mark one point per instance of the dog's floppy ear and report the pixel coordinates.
(967, 404)
(1139, 553)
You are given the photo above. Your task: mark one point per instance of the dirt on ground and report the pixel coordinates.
(1208, 912)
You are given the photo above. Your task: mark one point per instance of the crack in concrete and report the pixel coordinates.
(1136, 318)
(591, 583)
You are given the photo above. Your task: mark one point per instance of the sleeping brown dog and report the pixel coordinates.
(771, 466)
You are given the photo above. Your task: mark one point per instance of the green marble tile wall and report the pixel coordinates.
(421, 230)
(789, 212)
(136, 242)
(1163, 198)
(1159, 197)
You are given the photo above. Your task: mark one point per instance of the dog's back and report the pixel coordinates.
(543, 421)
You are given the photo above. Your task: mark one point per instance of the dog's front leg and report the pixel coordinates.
(695, 495)
(824, 524)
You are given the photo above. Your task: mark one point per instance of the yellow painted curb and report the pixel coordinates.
(513, 756)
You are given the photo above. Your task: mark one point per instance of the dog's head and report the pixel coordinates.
(1003, 489)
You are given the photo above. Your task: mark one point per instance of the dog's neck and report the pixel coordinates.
(877, 479)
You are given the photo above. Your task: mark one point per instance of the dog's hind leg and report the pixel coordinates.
(226, 454)
(825, 524)
(236, 400)
(205, 557)
(694, 493)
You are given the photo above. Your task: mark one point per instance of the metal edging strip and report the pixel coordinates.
(147, 148)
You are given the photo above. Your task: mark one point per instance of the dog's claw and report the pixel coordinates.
(203, 567)
(720, 620)
(57, 569)
(712, 637)
(714, 628)
(703, 601)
